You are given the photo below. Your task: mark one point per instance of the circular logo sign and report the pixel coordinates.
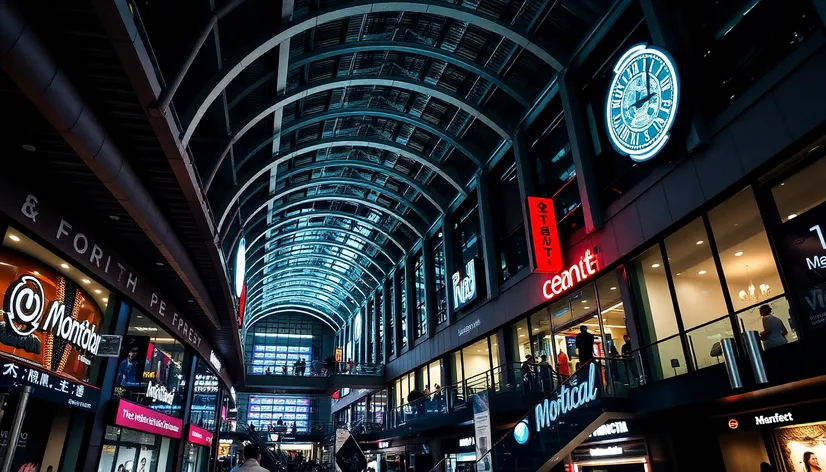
(23, 305)
(240, 266)
(521, 432)
(642, 102)
(733, 424)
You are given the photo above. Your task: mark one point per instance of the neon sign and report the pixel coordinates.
(567, 399)
(570, 277)
(544, 235)
(464, 288)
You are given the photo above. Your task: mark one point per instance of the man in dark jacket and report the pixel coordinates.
(584, 345)
(527, 373)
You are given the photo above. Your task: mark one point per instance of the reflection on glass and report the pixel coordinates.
(612, 312)
(699, 292)
(560, 313)
(653, 298)
(583, 302)
(476, 361)
(705, 342)
(770, 326)
(541, 334)
(748, 263)
(520, 341)
(665, 359)
(801, 192)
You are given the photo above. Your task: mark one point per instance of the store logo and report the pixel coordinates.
(384, 444)
(568, 278)
(213, 359)
(465, 330)
(776, 418)
(733, 424)
(605, 451)
(23, 309)
(159, 393)
(521, 433)
(466, 442)
(610, 429)
(567, 399)
(464, 288)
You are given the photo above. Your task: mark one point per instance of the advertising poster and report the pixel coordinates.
(803, 447)
(132, 361)
(34, 435)
(483, 433)
(47, 320)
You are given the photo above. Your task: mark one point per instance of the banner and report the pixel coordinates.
(134, 416)
(48, 386)
(482, 429)
(544, 235)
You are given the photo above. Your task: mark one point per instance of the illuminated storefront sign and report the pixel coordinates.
(544, 235)
(133, 416)
(610, 429)
(760, 420)
(384, 444)
(464, 287)
(605, 451)
(199, 436)
(159, 393)
(567, 399)
(568, 278)
(213, 359)
(467, 442)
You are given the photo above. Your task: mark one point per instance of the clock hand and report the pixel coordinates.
(644, 99)
(647, 82)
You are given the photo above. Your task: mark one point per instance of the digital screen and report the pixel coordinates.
(266, 410)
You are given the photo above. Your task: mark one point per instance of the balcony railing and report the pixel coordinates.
(340, 368)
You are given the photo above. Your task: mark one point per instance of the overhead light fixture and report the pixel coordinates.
(738, 253)
(792, 216)
(64, 265)
(750, 293)
(36, 273)
(584, 301)
(86, 281)
(678, 273)
(699, 242)
(114, 217)
(655, 265)
(702, 272)
(29, 148)
(536, 329)
(97, 290)
(587, 307)
(14, 237)
(159, 264)
(613, 288)
(105, 300)
(521, 335)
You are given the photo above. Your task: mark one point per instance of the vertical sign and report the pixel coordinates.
(483, 433)
(545, 238)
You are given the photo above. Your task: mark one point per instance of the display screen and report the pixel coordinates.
(267, 410)
(274, 357)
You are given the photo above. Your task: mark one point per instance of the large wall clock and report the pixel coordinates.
(642, 102)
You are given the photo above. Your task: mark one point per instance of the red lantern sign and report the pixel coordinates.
(544, 235)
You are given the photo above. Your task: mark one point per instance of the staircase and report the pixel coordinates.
(268, 458)
(563, 419)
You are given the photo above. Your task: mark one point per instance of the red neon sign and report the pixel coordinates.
(242, 305)
(544, 235)
(570, 277)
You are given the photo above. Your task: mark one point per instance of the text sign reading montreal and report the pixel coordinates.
(567, 398)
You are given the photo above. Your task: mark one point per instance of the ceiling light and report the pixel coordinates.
(587, 307)
(678, 273)
(36, 273)
(97, 290)
(536, 329)
(14, 237)
(738, 253)
(29, 148)
(86, 281)
(191, 300)
(584, 301)
(613, 288)
(159, 264)
(521, 335)
(106, 300)
(699, 242)
(792, 216)
(114, 217)
(782, 183)
(64, 265)
(702, 272)
(655, 265)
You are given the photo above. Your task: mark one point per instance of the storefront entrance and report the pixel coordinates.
(126, 450)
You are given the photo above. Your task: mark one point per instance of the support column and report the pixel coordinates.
(397, 310)
(447, 234)
(185, 408)
(365, 332)
(410, 298)
(376, 314)
(387, 312)
(525, 172)
(486, 234)
(581, 151)
(429, 285)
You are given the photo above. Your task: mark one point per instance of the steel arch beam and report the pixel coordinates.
(327, 283)
(308, 302)
(340, 181)
(372, 112)
(436, 200)
(319, 17)
(415, 156)
(259, 290)
(291, 308)
(308, 299)
(324, 270)
(319, 242)
(411, 48)
(362, 238)
(327, 214)
(350, 305)
(264, 300)
(310, 255)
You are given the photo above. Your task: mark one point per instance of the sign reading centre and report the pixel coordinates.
(544, 235)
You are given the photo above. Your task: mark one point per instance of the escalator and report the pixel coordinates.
(268, 457)
(563, 419)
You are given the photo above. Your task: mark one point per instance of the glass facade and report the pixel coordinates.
(277, 410)
(440, 278)
(421, 308)
(126, 449)
(204, 410)
(509, 229)
(403, 297)
(275, 344)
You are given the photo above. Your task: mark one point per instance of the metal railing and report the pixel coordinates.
(339, 368)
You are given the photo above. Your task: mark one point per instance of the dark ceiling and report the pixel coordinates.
(333, 135)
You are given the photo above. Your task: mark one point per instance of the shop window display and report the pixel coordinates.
(268, 410)
(150, 367)
(128, 450)
(203, 412)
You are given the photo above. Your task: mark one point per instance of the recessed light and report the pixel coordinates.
(159, 264)
(114, 217)
(521, 335)
(536, 329)
(64, 265)
(191, 300)
(655, 265)
(97, 290)
(738, 253)
(678, 273)
(587, 307)
(29, 148)
(140, 317)
(782, 183)
(14, 237)
(584, 301)
(613, 288)
(699, 242)
(86, 281)
(702, 272)
(106, 300)
(36, 273)
(792, 216)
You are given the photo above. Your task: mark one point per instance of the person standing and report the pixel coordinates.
(630, 363)
(584, 345)
(128, 369)
(774, 331)
(252, 462)
(527, 373)
(810, 460)
(562, 364)
(545, 374)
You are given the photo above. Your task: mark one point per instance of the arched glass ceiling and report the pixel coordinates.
(334, 139)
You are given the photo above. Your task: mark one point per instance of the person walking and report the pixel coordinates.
(774, 331)
(630, 363)
(527, 373)
(252, 459)
(544, 374)
(584, 345)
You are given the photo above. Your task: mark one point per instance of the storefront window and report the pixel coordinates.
(275, 342)
(440, 278)
(126, 449)
(466, 252)
(494, 351)
(204, 412)
(196, 458)
(421, 311)
(612, 312)
(509, 230)
(541, 334)
(520, 341)
(476, 363)
(801, 192)
(434, 372)
(456, 373)
(150, 367)
(403, 296)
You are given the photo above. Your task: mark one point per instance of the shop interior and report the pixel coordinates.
(789, 448)
(127, 450)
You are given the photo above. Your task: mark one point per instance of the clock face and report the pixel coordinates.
(642, 102)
